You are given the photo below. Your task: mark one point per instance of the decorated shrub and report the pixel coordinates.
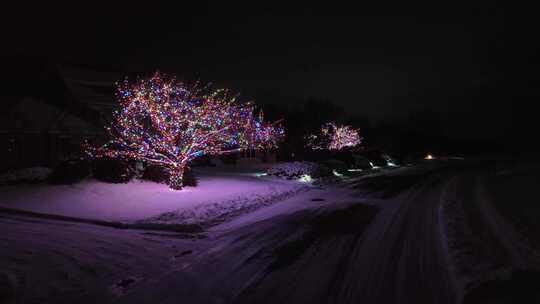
(168, 123)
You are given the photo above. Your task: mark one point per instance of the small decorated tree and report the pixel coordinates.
(334, 137)
(168, 123)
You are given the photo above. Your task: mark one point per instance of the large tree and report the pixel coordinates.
(165, 122)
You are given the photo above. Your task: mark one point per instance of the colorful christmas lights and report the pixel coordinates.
(334, 137)
(165, 122)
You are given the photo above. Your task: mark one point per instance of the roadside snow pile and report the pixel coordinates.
(296, 170)
(218, 193)
(210, 214)
(26, 175)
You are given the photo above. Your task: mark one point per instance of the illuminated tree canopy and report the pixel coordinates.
(334, 137)
(168, 123)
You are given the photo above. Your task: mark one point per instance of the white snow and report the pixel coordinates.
(62, 262)
(218, 195)
(294, 169)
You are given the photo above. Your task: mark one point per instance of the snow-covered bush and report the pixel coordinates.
(297, 169)
(292, 170)
(26, 175)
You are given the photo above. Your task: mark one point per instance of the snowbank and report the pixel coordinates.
(218, 196)
(296, 169)
(209, 214)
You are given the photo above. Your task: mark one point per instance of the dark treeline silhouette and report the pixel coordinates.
(301, 119)
(423, 131)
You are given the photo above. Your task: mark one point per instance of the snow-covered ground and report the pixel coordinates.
(482, 213)
(219, 194)
(324, 245)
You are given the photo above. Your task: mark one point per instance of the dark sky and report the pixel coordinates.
(470, 65)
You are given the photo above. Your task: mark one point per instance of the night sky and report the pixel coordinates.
(472, 67)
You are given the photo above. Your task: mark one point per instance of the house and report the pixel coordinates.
(35, 133)
(41, 122)
(49, 110)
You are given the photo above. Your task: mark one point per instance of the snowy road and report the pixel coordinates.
(334, 245)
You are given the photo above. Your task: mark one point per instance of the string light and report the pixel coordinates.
(168, 123)
(334, 137)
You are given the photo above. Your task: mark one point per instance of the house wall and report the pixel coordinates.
(20, 150)
(34, 133)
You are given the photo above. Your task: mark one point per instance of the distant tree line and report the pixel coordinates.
(421, 132)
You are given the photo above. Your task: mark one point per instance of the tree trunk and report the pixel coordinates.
(176, 175)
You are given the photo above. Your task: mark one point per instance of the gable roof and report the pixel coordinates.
(30, 115)
(36, 78)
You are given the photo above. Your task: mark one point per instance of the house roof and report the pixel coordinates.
(35, 82)
(30, 115)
